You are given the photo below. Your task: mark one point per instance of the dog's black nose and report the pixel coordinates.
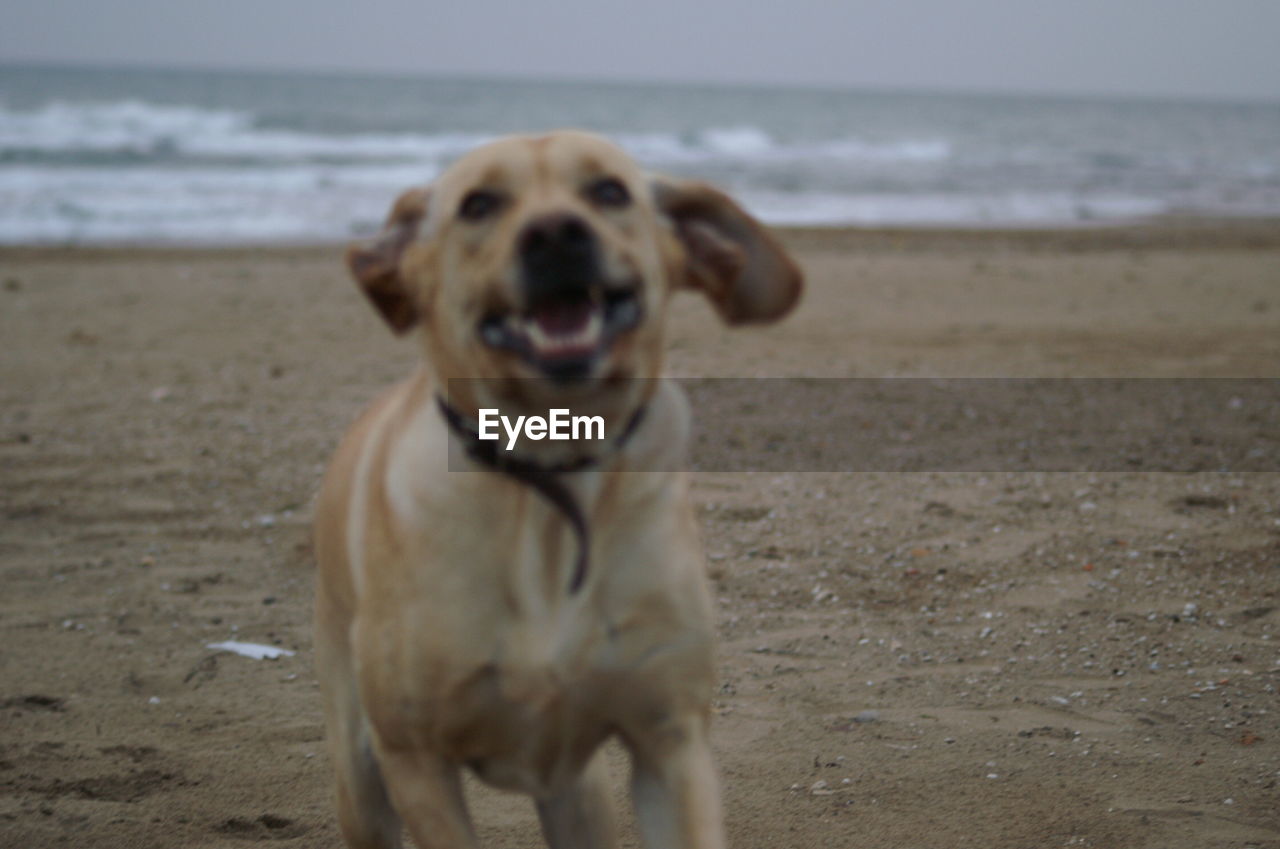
(559, 258)
(555, 240)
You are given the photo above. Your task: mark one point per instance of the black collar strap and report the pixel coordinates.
(545, 478)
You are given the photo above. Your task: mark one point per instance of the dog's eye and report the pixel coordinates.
(609, 191)
(479, 204)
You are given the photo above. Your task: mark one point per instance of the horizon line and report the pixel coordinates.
(638, 81)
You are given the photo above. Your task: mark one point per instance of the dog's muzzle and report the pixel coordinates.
(572, 314)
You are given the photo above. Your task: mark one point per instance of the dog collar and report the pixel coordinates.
(544, 478)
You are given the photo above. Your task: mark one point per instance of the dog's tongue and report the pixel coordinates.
(565, 329)
(563, 319)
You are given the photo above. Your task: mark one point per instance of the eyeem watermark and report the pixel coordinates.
(558, 425)
(924, 425)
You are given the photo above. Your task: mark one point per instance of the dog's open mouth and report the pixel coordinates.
(564, 337)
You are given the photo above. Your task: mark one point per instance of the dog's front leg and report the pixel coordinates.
(581, 816)
(675, 789)
(427, 793)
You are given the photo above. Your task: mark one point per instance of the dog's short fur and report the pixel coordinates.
(447, 634)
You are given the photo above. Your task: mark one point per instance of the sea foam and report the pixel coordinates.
(312, 163)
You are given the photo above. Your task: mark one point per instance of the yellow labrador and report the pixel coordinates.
(513, 618)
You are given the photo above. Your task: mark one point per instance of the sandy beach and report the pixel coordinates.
(923, 660)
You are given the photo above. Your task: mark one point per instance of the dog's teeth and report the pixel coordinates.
(536, 334)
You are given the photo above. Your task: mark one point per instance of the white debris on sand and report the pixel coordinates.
(257, 651)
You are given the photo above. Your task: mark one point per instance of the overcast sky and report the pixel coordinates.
(1229, 48)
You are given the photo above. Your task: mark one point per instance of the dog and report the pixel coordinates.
(510, 611)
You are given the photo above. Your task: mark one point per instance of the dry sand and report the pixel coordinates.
(1012, 661)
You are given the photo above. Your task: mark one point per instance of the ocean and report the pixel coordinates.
(109, 155)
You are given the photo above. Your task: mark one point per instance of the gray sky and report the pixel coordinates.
(1229, 48)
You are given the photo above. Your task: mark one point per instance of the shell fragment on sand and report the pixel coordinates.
(257, 651)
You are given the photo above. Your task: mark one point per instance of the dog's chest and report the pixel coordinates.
(525, 708)
(529, 727)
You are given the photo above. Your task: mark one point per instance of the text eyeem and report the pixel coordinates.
(558, 424)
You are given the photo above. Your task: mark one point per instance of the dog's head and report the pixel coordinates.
(549, 261)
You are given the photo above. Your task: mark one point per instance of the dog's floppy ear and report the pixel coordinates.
(376, 263)
(729, 255)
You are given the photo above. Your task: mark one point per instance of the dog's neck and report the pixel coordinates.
(545, 478)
